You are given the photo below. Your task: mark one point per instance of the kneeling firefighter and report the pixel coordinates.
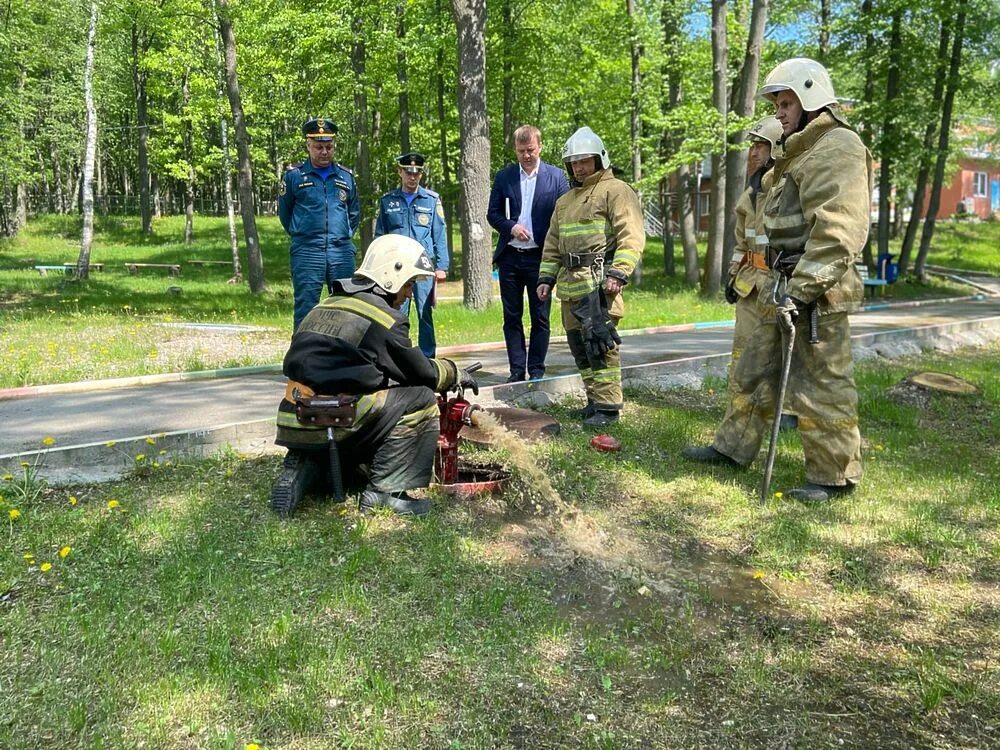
(816, 217)
(355, 345)
(595, 240)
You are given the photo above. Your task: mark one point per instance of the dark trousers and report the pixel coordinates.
(518, 274)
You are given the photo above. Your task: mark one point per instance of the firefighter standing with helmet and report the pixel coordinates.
(356, 343)
(594, 242)
(748, 273)
(816, 217)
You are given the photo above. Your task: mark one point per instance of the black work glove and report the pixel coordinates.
(788, 312)
(731, 296)
(465, 380)
(599, 334)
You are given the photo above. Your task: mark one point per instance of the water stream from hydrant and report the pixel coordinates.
(516, 447)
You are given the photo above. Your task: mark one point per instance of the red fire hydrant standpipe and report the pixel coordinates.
(456, 413)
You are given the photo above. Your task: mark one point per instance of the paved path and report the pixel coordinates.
(199, 415)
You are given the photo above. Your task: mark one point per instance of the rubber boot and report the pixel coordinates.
(587, 411)
(819, 493)
(707, 455)
(601, 419)
(398, 502)
(300, 473)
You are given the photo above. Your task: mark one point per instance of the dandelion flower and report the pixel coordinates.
(140, 456)
(163, 452)
(25, 464)
(151, 441)
(49, 440)
(64, 551)
(29, 557)
(8, 477)
(13, 514)
(779, 495)
(110, 444)
(112, 504)
(251, 746)
(45, 567)
(758, 575)
(72, 500)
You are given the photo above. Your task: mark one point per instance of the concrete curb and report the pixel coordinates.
(84, 386)
(98, 462)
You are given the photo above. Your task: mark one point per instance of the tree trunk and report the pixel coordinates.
(688, 228)
(227, 187)
(927, 152)
(87, 235)
(635, 111)
(474, 127)
(869, 98)
(669, 266)
(943, 136)
(712, 280)
(57, 180)
(824, 30)
(362, 160)
(254, 260)
(508, 73)
(401, 77)
(888, 134)
(670, 23)
(447, 194)
(742, 103)
(189, 157)
(139, 91)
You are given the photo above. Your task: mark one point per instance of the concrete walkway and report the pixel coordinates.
(99, 428)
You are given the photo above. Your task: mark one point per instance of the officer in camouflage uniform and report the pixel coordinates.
(318, 207)
(595, 240)
(749, 271)
(816, 216)
(357, 343)
(415, 211)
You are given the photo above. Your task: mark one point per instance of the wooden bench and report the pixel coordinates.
(174, 269)
(870, 284)
(210, 262)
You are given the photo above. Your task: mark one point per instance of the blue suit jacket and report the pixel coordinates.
(551, 184)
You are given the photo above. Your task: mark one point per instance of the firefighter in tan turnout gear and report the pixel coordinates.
(816, 218)
(595, 240)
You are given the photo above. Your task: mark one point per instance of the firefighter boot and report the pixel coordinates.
(820, 493)
(601, 419)
(398, 502)
(300, 473)
(707, 455)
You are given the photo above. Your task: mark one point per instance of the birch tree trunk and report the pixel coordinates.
(254, 260)
(87, 235)
(139, 91)
(711, 281)
(401, 77)
(227, 185)
(189, 156)
(362, 159)
(474, 126)
(888, 134)
(447, 195)
(635, 107)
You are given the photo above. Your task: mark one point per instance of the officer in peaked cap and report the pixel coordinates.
(414, 211)
(319, 208)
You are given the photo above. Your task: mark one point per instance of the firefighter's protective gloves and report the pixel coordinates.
(465, 380)
(599, 334)
(731, 296)
(788, 312)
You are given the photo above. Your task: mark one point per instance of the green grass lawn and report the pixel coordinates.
(670, 611)
(964, 245)
(56, 330)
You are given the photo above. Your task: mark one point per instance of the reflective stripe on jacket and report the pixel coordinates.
(820, 203)
(601, 216)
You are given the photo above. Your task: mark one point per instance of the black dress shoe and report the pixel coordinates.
(516, 378)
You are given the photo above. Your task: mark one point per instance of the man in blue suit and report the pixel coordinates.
(521, 204)
(416, 212)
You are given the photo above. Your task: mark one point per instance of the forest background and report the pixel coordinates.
(152, 107)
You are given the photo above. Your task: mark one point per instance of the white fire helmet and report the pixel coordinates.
(806, 78)
(392, 260)
(584, 142)
(767, 130)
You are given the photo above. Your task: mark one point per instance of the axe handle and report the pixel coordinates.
(772, 447)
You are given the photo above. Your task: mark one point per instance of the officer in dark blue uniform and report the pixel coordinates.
(318, 207)
(416, 212)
